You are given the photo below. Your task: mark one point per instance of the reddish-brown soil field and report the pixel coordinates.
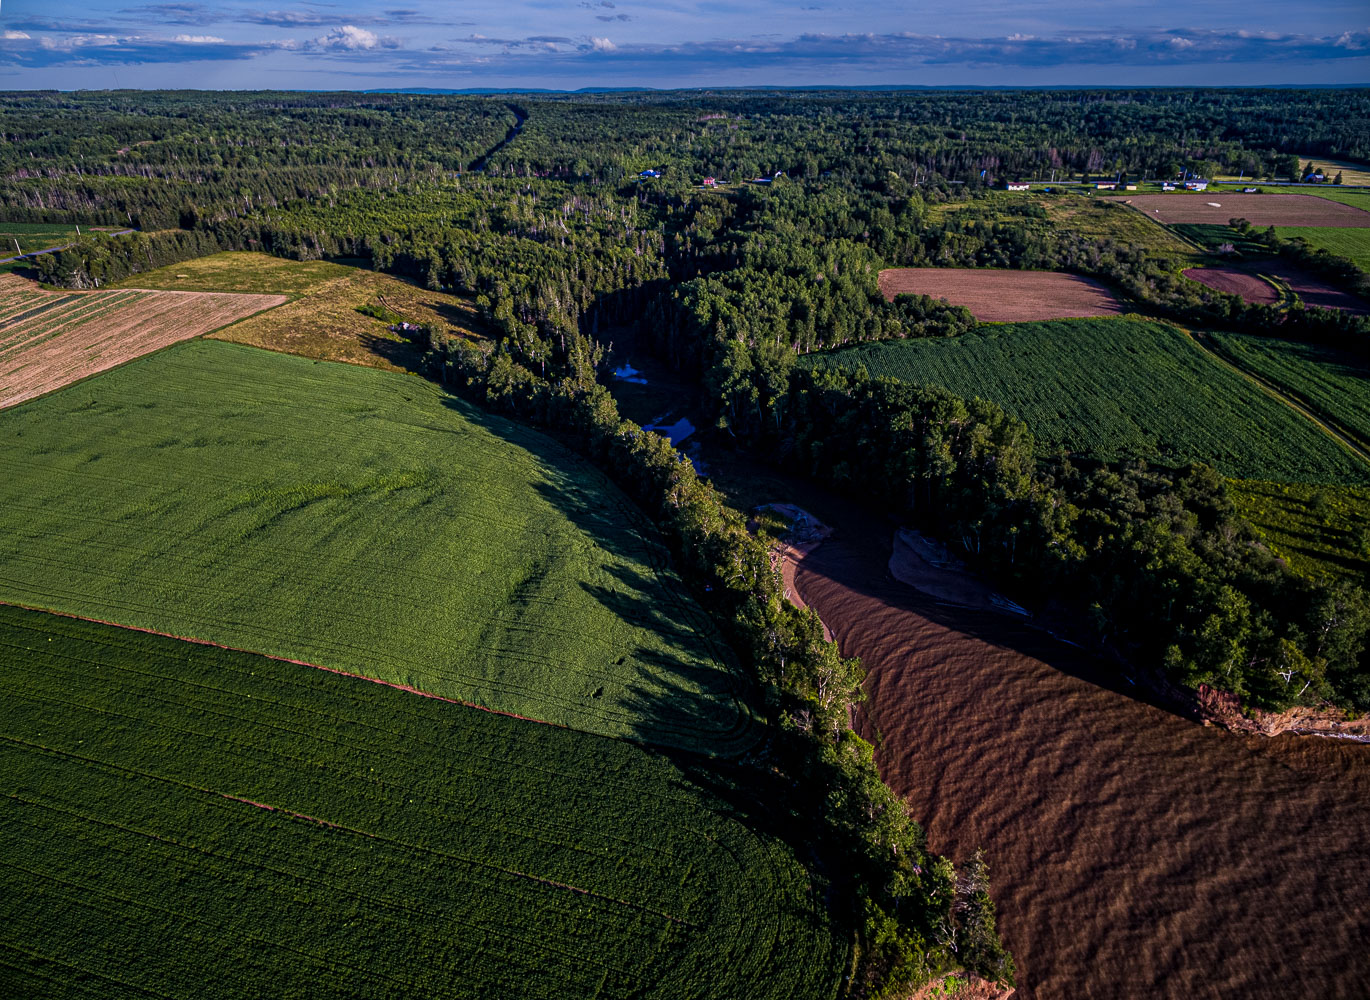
(51, 339)
(1234, 282)
(1258, 209)
(1134, 853)
(1004, 296)
(1245, 281)
(1314, 291)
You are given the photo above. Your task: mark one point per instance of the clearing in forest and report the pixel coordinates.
(1321, 531)
(51, 339)
(1111, 389)
(1000, 296)
(182, 820)
(1218, 207)
(365, 521)
(323, 322)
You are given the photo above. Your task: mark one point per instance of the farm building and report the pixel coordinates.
(1106, 186)
(709, 182)
(1196, 185)
(1017, 186)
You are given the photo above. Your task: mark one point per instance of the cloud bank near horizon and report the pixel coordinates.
(318, 44)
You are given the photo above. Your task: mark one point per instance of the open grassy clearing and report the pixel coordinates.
(1001, 296)
(1322, 531)
(1352, 173)
(365, 521)
(1213, 237)
(1118, 388)
(1330, 382)
(323, 322)
(1353, 244)
(1106, 218)
(51, 339)
(181, 820)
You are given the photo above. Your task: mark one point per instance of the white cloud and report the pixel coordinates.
(16, 36)
(199, 39)
(602, 45)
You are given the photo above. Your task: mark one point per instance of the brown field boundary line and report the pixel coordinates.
(995, 295)
(1333, 428)
(406, 688)
(49, 340)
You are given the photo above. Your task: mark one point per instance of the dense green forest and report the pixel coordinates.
(535, 207)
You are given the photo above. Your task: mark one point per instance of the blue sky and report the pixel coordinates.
(312, 44)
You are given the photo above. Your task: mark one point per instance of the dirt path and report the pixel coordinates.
(1343, 435)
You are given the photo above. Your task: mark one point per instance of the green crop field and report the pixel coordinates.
(1353, 244)
(364, 521)
(1331, 382)
(1212, 237)
(33, 236)
(1116, 388)
(1321, 531)
(180, 820)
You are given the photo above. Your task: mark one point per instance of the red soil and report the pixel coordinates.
(1258, 209)
(96, 331)
(1314, 291)
(995, 296)
(1134, 852)
(1234, 282)
(1245, 281)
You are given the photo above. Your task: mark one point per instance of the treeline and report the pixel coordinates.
(1166, 572)
(914, 914)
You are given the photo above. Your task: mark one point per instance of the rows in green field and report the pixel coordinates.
(365, 521)
(171, 811)
(26, 333)
(1322, 531)
(1119, 388)
(1332, 383)
(1353, 244)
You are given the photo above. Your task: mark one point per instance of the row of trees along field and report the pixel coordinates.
(915, 915)
(158, 160)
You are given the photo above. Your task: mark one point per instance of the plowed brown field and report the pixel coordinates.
(1005, 296)
(1246, 282)
(1234, 282)
(51, 339)
(1219, 207)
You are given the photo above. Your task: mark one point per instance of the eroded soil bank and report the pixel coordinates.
(1135, 853)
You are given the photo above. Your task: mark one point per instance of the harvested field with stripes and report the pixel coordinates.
(1219, 207)
(998, 296)
(178, 820)
(51, 339)
(363, 521)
